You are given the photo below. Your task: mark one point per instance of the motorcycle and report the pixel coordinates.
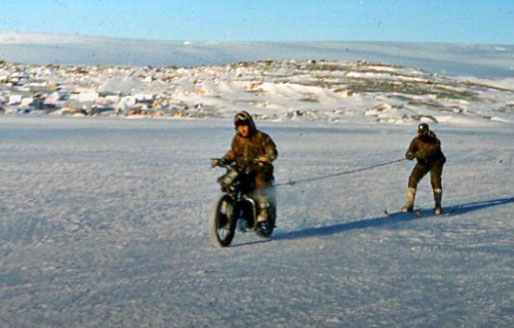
(236, 209)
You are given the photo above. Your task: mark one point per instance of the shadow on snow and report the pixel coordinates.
(389, 219)
(251, 243)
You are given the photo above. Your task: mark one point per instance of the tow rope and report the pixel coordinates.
(322, 177)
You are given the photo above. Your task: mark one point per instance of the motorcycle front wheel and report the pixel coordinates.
(221, 225)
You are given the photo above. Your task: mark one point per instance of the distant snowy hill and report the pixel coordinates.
(338, 82)
(323, 91)
(484, 61)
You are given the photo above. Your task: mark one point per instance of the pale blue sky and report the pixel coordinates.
(479, 21)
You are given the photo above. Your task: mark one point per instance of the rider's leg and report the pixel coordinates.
(436, 173)
(417, 174)
(261, 196)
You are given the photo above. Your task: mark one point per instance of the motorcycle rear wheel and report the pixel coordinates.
(221, 225)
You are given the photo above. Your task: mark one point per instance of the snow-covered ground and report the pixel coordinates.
(104, 224)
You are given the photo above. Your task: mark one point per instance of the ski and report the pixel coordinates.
(419, 213)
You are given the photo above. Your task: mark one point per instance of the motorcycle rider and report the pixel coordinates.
(426, 149)
(253, 152)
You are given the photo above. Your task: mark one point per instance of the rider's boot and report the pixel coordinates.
(409, 205)
(438, 195)
(262, 212)
(262, 215)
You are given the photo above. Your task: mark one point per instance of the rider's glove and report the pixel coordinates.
(410, 156)
(261, 160)
(219, 161)
(215, 162)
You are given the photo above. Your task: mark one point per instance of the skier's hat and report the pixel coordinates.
(423, 128)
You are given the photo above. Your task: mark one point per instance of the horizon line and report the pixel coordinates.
(121, 38)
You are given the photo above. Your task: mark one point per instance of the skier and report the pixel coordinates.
(426, 149)
(253, 152)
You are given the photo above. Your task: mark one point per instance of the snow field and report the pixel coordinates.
(103, 222)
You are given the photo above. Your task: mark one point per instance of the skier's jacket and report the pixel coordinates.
(245, 151)
(426, 149)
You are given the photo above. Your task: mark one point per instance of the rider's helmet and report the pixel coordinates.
(423, 129)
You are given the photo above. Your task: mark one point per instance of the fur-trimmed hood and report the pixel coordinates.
(244, 116)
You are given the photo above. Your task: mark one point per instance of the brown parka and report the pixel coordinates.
(426, 149)
(258, 145)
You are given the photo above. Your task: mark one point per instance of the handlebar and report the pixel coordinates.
(223, 163)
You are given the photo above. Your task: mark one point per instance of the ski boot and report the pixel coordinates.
(409, 205)
(438, 194)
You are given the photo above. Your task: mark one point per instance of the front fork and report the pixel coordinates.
(246, 206)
